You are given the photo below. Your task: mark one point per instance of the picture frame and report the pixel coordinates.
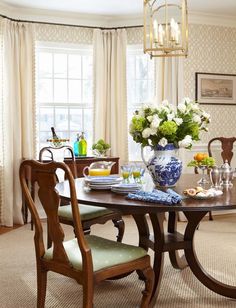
(215, 89)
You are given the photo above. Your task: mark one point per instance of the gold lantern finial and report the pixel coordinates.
(165, 28)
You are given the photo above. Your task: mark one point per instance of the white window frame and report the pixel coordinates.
(68, 49)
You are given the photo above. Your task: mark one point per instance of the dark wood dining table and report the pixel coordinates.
(165, 241)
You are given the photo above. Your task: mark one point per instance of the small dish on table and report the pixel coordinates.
(200, 193)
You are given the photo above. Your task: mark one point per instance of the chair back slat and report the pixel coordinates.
(227, 145)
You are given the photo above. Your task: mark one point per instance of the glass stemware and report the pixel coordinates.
(203, 179)
(138, 172)
(126, 172)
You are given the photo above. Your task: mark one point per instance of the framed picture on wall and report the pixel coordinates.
(215, 89)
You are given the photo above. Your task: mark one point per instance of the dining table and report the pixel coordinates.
(168, 239)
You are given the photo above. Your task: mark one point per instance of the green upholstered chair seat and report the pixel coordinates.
(105, 253)
(86, 212)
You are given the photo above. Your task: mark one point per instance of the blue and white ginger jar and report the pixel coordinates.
(164, 166)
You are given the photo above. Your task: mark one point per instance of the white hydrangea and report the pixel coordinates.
(141, 113)
(150, 118)
(155, 122)
(170, 116)
(197, 119)
(186, 142)
(163, 142)
(165, 108)
(206, 115)
(178, 121)
(182, 108)
(147, 132)
(195, 107)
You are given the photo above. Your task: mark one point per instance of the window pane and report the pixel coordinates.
(87, 91)
(87, 67)
(60, 65)
(60, 90)
(141, 91)
(76, 121)
(141, 67)
(46, 118)
(61, 119)
(44, 136)
(44, 90)
(131, 67)
(74, 91)
(131, 95)
(74, 66)
(45, 64)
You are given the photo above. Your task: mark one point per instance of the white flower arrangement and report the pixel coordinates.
(161, 124)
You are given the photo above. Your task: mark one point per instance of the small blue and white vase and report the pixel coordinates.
(164, 166)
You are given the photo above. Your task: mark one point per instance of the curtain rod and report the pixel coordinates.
(68, 25)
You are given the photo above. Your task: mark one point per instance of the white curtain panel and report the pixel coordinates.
(169, 79)
(110, 99)
(18, 113)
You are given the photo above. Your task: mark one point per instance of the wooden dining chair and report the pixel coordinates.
(90, 215)
(88, 259)
(227, 153)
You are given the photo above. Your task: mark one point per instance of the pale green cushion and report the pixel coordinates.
(86, 212)
(105, 253)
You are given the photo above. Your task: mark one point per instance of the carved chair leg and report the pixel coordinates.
(41, 287)
(210, 216)
(148, 274)
(120, 225)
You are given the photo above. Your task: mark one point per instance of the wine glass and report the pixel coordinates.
(203, 179)
(126, 172)
(138, 172)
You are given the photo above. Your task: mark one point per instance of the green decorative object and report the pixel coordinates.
(100, 148)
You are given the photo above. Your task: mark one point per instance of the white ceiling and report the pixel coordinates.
(119, 7)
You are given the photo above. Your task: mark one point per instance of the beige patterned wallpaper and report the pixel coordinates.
(212, 49)
(63, 34)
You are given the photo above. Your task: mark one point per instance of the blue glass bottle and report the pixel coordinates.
(76, 146)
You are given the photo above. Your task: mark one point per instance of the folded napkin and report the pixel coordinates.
(169, 197)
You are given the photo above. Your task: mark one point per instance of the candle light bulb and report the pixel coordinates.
(160, 34)
(155, 31)
(172, 29)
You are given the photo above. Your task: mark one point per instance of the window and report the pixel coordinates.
(64, 92)
(140, 88)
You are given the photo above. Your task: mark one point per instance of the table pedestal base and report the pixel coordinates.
(172, 241)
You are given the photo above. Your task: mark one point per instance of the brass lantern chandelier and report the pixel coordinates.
(165, 28)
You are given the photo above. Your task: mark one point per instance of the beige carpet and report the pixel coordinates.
(215, 244)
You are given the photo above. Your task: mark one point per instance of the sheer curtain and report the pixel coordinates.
(110, 103)
(18, 114)
(169, 79)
